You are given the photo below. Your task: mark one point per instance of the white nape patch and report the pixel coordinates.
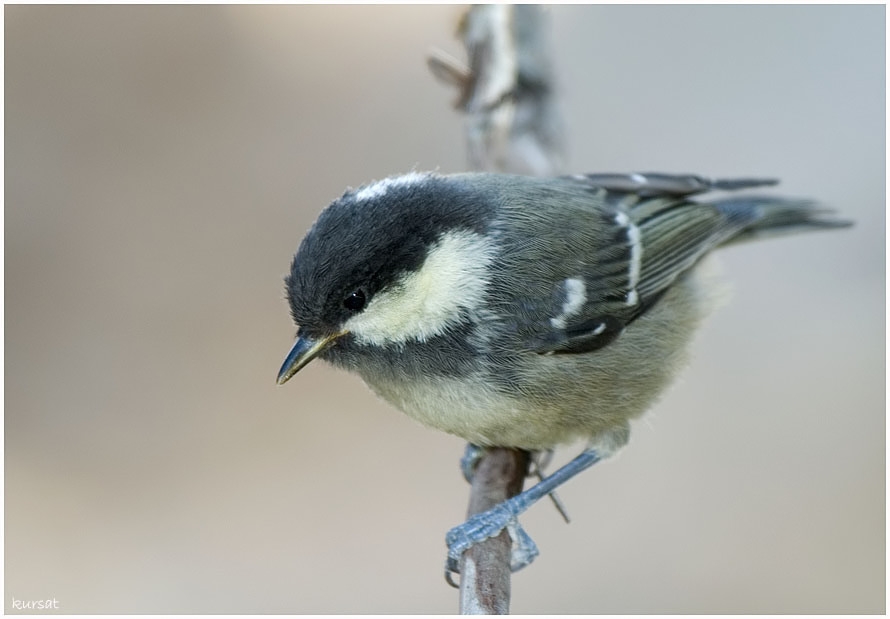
(424, 303)
(379, 188)
(636, 256)
(576, 295)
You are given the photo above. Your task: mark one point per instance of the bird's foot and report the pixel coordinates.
(482, 526)
(485, 525)
(472, 455)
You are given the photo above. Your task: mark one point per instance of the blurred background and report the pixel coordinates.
(162, 164)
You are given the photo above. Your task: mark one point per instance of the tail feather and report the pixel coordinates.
(764, 217)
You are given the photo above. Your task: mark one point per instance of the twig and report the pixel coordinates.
(512, 126)
(506, 91)
(485, 567)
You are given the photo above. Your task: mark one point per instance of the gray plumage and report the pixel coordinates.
(557, 308)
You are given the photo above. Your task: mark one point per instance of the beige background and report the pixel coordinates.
(162, 164)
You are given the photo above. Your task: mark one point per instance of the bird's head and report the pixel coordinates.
(399, 260)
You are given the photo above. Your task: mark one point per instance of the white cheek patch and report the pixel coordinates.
(378, 189)
(425, 303)
(576, 296)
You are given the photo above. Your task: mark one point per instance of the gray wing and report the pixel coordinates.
(648, 233)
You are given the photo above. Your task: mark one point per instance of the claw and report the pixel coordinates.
(449, 578)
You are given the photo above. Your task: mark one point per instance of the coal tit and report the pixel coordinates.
(520, 312)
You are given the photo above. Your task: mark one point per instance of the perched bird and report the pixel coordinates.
(520, 312)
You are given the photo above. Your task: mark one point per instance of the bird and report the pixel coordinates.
(522, 312)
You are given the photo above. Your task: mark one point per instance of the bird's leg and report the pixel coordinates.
(539, 459)
(504, 516)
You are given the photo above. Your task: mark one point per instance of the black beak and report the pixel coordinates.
(305, 349)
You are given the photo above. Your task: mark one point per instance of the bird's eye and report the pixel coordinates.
(355, 300)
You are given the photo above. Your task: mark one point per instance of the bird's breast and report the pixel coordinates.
(471, 408)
